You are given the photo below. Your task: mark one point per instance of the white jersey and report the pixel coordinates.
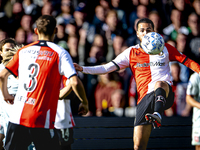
(193, 88)
(64, 118)
(12, 89)
(6, 108)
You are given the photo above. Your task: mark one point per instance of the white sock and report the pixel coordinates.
(158, 114)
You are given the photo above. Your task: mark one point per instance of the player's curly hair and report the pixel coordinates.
(9, 55)
(6, 57)
(7, 40)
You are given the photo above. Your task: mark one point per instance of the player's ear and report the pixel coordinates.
(137, 34)
(55, 30)
(36, 31)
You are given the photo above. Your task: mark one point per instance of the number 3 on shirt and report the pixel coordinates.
(34, 70)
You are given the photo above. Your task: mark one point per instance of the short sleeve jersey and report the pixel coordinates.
(64, 118)
(39, 66)
(148, 69)
(193, 89)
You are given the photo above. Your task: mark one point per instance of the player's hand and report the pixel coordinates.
(9, 99)
(78, 67)
(83, 109)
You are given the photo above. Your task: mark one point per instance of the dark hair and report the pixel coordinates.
(7, 40)
(46, 24)
(145, 20)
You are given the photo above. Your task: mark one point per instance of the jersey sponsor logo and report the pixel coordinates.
(44, 58)
(150, 64)
(26, 100)
(38, 52)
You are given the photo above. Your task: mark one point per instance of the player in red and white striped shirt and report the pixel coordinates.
(39, 67)
(153, 81)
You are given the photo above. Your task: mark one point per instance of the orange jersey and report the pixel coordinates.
(39, 66)
(148, 69)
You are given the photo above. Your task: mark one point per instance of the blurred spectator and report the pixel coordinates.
(95, 58)
(115, 48)
(132, 92)
(141, 12)
(105, 4)
(48, 9)
(106, 82)
(60, 35)
(194, 36)
(73, 48)
(121, 14)
(66, 12)
(155, 17)
(171, 42)
(132, 39)
(8, 7)
(3, 34)
(196, 6)
(180, 107)
(80, 17)
(3, 16)
(71, 28)
(112, 27)
(14, 21)
(20, 36)
(99, 17)
(184, 7)
(31, 8)
(193, 25)
(26, 24)
(118, 103)
(176, 26)
(100, 41)
(182, 45)
(96, 55)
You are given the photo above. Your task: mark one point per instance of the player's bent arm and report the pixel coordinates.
(101, 69)
(3, 85)
(65, 91)
(191, 101)
(79, 90)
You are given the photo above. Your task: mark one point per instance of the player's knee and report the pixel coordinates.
(162, 85)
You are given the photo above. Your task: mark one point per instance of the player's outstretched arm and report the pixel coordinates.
(3, 85)
(98, 69)
(79, 90)
(78, 67)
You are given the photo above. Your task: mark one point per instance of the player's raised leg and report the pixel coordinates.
(161, 93)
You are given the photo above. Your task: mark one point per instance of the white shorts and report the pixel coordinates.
(196, 136)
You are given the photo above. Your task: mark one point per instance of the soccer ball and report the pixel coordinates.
(152, 43)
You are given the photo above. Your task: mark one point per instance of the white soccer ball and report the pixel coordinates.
(152, 43)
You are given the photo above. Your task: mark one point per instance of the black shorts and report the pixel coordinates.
(146, 105)
(65, 136)
(20, 137)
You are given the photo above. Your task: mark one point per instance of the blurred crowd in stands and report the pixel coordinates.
(96, 31)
